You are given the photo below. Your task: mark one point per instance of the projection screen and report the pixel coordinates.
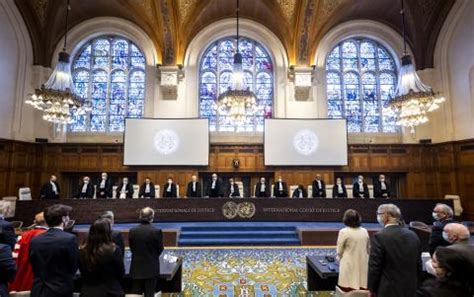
(166, 142)
(311, 142)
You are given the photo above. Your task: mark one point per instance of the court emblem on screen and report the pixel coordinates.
(166, 141)
(305, 142)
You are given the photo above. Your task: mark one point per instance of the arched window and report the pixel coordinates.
(215, 78)
(360, 76)
(108, 72)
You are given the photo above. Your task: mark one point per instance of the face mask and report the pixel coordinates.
(360, 180)
(382, 179)
(338, 182)
(380, 220)
(104, 177)
(446, 237)
(435, 216)
(125, 181)
(86, 181)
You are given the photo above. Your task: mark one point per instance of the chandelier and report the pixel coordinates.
(412, 99)
(237, 103)
(56, 98)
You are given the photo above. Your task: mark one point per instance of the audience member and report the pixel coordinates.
(395, 259)
(117, 237)
(146, 245)
(53, 256)
(353, 253)
(458, 236)
(454, 276)
(101, 263)
(7, 233)
(443, 215)
(24, 276)
(7, 268)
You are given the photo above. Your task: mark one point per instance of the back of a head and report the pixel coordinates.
(109, 215)
(55, 213)
(352, 218)
(391, 210)
(4, 207)
(457, 267)
(98, 244)
(460, 231)
(147, 214)
(39, 219)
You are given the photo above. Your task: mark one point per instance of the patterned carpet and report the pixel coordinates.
(246, 272)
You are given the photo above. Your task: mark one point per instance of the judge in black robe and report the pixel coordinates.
(169, 189)
(50, 190)
(300, 192)
(86, 189)
(261, 189)
(104, 188)
(215, 188)
(319, 187)
(360, 189)
(381, 188)
(147, 189)
(232, 189)
(125, 189)
(280, 189)
(339, 189)
(194, 188)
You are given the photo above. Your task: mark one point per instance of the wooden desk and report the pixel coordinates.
(319, 276)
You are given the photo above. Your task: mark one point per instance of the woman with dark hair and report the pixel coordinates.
(353, 253)
(454, 275)
(101, 263)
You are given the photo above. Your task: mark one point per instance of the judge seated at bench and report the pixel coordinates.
(104, 188)
(339, 189)
(280, 189)
(232, 189)
(381, 188)
(125, 189)
(319, 187)
(147, 189)
(261, 189)
(86, 190)
(169, 189)
(360, 189)
(50, 190)
(194, 188)
(300, 192)
(215, 187)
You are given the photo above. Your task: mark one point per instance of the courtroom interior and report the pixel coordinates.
(236, 148)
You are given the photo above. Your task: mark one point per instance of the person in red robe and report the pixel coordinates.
(24, 276)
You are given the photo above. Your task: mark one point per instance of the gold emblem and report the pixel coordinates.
(229, 210)
(246, 210)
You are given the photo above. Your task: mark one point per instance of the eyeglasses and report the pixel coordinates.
(380, 213)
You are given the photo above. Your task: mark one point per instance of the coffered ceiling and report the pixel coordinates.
(299, 24)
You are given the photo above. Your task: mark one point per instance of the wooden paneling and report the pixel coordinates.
(425, 171)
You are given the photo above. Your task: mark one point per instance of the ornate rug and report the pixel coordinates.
(246, 272)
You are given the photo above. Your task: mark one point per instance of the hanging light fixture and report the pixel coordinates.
(56, 98)
(412, 99)
(238, 102)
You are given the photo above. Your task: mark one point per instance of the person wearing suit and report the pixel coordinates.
(146, 245)
(125, 189)
(50, 190)
(169, 189)
(319, 187)
(117, 237)
(147, 189)
(24, 276)
(280, 189)
(339, 189)
(7, 232)
(300, 192)
(453, 272)
(232, 189)
(215, 187)
(194, 188)
(101, 263)
(86, 189)
(104, 188)
(53, 256)
(442, 215)
(458, 236)
(7, 268)
(395, 258)
(261, 189)
(381, 188)
(353, 245)
(360, 189)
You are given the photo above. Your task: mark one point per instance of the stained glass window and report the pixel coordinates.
(360, 77)
(109, 72)
(215, 78)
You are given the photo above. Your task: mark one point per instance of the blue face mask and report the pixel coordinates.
(446, 237)
(380, 220)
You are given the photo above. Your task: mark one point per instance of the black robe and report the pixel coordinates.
(236, 190)
(47, 191)
(296, 193)
(259, 193)
(151, 194)
(191, 193)
(378, 192)
(172, 194)
(356, 192)
(218, 191)
(277, 192)
(319, 192)
(336, 194)
(128, 190)
(105, 192)
(89, 191)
